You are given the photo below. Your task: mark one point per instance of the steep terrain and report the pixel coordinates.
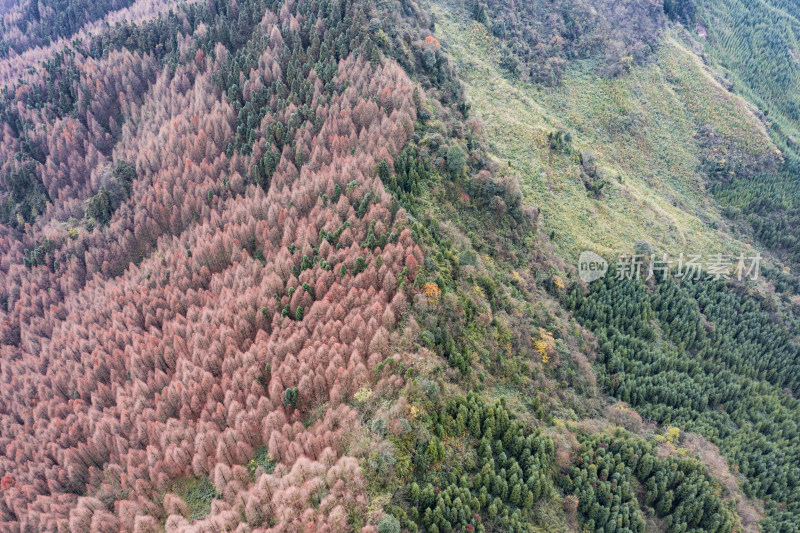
(649, 134)
(308, 265)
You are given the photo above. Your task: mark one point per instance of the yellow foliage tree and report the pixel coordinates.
(544, 345)
(432, 291)
(673, 434)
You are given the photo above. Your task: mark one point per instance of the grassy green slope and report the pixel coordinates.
(643, 128)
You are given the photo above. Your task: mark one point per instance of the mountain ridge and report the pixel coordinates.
(309, 265)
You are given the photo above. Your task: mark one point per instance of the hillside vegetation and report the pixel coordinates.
(648, 134)
(757, 46)
(308, 265)
(662, 153)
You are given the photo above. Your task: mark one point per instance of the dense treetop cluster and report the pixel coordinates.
(258, 272)
(678, 491)
(172, 303)
(712, 359)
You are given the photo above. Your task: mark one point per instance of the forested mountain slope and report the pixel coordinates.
(306, 265)
(164, 317)
(756, 47)
(676, 159)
